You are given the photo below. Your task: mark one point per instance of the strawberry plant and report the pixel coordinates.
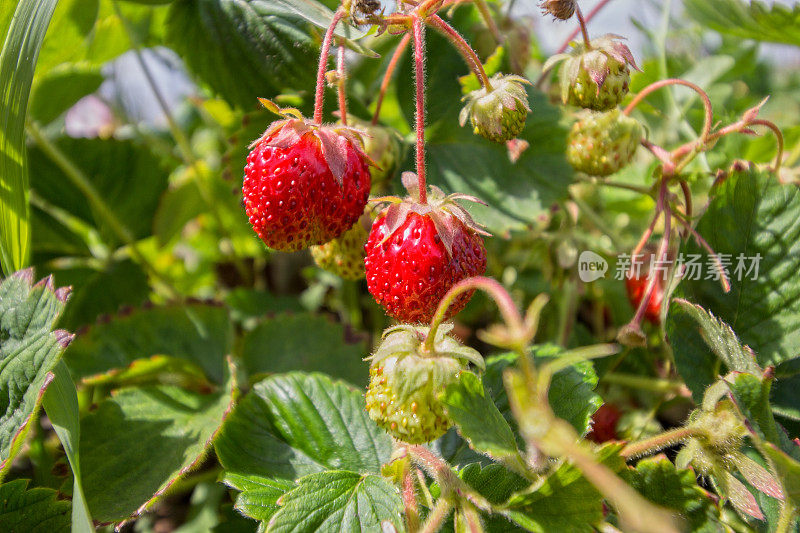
(314, 266)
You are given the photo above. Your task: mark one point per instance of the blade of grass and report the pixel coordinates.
(17, 64)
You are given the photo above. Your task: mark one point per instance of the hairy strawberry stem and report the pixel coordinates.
(470, 57)
(319, 95)
(584, 30)
(341, 77)
(387, 76)
(497, 292)
(410, 501)
(645, 447)
(709, 113)
(483, 9)
(778, 136)
(662, 255)
(419, 79)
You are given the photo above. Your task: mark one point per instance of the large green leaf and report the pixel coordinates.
(29, 349)
(458, 160)
(141, 440)
(339, 501)
(565, 501)
(700, 343)
(129, 177)
(17, 63)
(749, 20)
(296, 424)
(199, 333)
(35, 510)
(571, 398)
(658, 480)
(754, 215)
(283, 343)
(480, 422)
(222, 39)
(258, 496)
(60, 402)
(571, 393)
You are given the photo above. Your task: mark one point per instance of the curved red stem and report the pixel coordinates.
(387, 76)
(319, 95)
(340, 84)
(419, 75)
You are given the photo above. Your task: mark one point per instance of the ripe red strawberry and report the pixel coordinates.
(604, 423)
(637, 286)
(416, 252)
(304, 184)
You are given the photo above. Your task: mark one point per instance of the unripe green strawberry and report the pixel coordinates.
(344, 255)
(600, 144)
(382, 145)
(715, 452)
(406, 382)
(499, 113)
(597, 77)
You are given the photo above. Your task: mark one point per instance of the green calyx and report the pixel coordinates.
(498, 114)
(406, 382)
(600, 144)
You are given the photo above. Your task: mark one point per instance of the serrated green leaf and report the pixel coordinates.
(495, 482)
(700, 341)
(658, 480)
(17, 63)
(35, 510)
(220, 39)
(29, 350)
(283, 343)
(571, 393)
(296, 424)
(565, 501)
(199, 333)
(129, 177)
(258, 496)
(339, 501)
(749, 20)
(751, 213)
(172, 429)
(60, 402)
(751, 394)
(480, 423)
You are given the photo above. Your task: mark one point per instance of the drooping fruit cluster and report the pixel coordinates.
(406, 381)
(305, 184)
(601, 144)
(344, 255)
(416, 252)
(596, 76)
(498, 112)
